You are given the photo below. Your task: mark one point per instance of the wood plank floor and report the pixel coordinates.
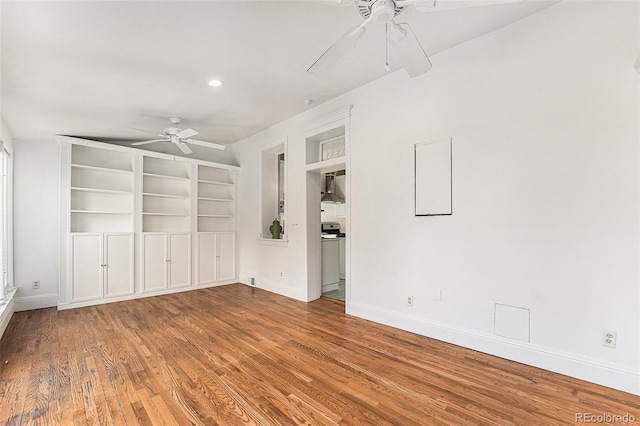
(235, 355)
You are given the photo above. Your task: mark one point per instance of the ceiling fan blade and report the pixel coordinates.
(186, 133)
(436, 5)
(406, 49)
(184, 148)
(205, 143)
(339, 48)
(151, 141)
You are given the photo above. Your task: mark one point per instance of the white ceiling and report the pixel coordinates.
(98, 68)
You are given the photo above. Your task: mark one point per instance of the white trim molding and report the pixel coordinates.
(40, 301)
(6, 312)
(590, 370)
(313, 126)
(277, 288)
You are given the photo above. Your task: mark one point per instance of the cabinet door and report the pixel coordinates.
(330, 261)
(226, 256)
(179, 260)
(86, 267)
(118, 258)
(343, 256)
(154, 262)
(206, 258)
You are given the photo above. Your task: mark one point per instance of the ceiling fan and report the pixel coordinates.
(181, 138)
(401, 42)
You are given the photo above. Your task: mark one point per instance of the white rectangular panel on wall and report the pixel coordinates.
(433, 192)
(512, 322)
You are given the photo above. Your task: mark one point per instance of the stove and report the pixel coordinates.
(331, 230)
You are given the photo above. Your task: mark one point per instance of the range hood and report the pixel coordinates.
(329, 195)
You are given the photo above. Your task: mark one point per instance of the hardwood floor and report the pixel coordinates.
(235, 355)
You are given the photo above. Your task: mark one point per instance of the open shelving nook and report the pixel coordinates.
(101, 191)
(216, 200)
(166, 195)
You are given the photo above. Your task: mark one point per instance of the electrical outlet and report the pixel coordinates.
(609, 339)
(410, 301)
(35, 285)
(281, 274)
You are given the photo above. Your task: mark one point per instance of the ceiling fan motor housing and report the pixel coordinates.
(171, 131)
(381, 11)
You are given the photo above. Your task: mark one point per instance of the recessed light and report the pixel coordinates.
(215, 83)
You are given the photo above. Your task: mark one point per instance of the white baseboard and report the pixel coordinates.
(329, 287)
(583, 368)
(278, 288)
(85, 303)
(28, 303)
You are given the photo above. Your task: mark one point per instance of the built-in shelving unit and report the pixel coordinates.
(101, 190)
(166, 195)
(216, 199)
(135, 223)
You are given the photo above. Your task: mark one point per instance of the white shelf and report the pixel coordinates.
(327, 166)
(216, 199)
(215, 183)
(166, 176)
(165, 214)
(100, 191)
(101, 169)
(99, 212)
(215, 215)
(153, 194)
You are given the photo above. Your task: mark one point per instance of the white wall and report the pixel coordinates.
(36, 212)
(544, 120)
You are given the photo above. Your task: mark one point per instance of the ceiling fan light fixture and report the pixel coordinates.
(383, 11)
(215, 83)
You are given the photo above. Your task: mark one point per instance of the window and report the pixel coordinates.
(273, 188)
(5, 223)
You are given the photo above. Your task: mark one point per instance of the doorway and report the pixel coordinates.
(333, 205)
(315, 189)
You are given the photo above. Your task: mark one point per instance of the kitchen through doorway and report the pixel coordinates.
(333, 233)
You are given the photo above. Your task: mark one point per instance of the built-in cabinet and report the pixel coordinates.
(166, 260)
(216, 246)
(101, 266)
(135, 223)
